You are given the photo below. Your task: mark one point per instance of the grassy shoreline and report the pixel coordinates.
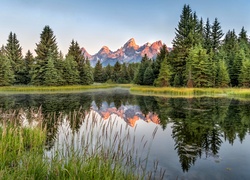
(191, 92)
(56, 89)
(135, 89)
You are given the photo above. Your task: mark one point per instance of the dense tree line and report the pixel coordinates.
(202, 56)
(48, 67)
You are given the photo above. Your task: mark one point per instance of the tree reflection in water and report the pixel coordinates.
(199, 125)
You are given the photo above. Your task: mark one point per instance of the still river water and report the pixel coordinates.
(197, 138)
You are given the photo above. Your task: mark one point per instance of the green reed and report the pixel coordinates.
(191, 92)
(98, 150)
(50, 89)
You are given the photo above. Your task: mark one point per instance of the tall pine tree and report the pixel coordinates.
(216, 35)
(207, 43)
(6, 71)
(98, 72)
(86, 74)
(222, 74)
(46, 50)
(244, 76)
(188, 34)
(199, 68)
(14, 54)
(28, 64)
(165, 74)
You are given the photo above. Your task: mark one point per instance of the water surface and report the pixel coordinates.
(197, 138)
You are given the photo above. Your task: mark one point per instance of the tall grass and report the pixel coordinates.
(50, 89)
(98, 150)
(191, 92)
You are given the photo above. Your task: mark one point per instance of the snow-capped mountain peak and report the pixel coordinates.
(130, 52)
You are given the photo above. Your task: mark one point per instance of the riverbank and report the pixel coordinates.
(57, 89)
(191, 92)
(135, 89)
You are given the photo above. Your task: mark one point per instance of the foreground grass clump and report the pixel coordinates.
(21, 152)
(95, 151)
(191, 92)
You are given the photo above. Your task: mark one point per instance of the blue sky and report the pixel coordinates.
(95, 23)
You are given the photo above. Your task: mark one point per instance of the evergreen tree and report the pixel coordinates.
(124, 78)
(132, 67)
(198, 30)
(6, 71)
(51, 76)
(222, 74)
(243, 37)
(117, 72)
(47, 45)
(145, 62)
(148, 77)
(216, 35)
(28, 63)
(207, 36)
(86, 75)
(198, 68)
(108, 72)
(234, 56)
(188, 34)
(98, 73)
(70, 75)
(14, 54)
(75, 52)
(159, 59)
(46, 50)
(165, 74)
(244, 76)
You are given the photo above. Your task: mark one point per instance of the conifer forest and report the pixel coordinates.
(202, 56)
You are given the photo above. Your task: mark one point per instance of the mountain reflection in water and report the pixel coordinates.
(199, 128)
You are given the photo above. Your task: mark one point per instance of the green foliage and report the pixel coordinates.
(6, 71)
(222, 74)
(165, 74)
(70, 72)
(13, 52)
(98, 72)
(23, 156)
(51, 76)
(207, 36)
(28, 64)
(161, 56)
(243, 37)
(132, 70)
(216, 35)
(199, 67)
(245, 73)
(188, 35)
(46, 45)
(47, 69)
(108, 72)
(117, 72)
(86, 73)
(145, 63)
(148, 77)
(76, 53)
(233, 56)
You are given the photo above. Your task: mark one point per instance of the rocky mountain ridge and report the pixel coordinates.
(130, 52)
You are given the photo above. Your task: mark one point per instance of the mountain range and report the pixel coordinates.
(130, 52)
